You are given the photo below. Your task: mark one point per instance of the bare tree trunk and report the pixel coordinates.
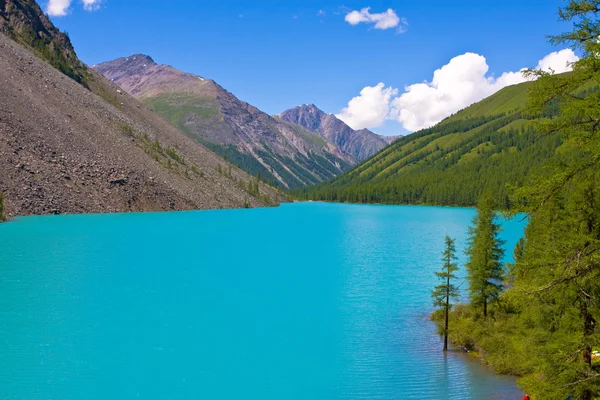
(484, 308)
(588, 330)
(447, 312)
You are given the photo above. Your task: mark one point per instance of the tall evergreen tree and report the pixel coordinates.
(485, 253)
(446, 291)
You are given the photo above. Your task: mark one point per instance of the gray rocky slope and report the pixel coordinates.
(67, 149)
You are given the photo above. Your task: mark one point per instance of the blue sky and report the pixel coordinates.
(278, 54)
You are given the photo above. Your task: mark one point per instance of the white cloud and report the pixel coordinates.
(60, 8)
(558, 61)
(321, 13)
(461, 82)
(370, 108)
(385, 20)
(456, 85)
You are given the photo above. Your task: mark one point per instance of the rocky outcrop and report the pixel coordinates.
(359, 145)
(280, 151)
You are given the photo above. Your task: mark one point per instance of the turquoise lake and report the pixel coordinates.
(305, 301)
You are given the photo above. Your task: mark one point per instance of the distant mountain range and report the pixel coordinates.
(278, 150)
(72, 142)
(484, 147)
(359, 145)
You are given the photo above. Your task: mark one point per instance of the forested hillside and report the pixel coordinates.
(484, 147)
(537, 318)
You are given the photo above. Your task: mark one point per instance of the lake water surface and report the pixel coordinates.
(305, 301)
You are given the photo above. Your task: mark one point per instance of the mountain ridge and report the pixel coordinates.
(284, 153)
(358, 144)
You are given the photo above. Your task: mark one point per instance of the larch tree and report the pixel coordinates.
(446, 291)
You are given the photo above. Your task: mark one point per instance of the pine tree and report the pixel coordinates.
(485, 253)
(446, 291)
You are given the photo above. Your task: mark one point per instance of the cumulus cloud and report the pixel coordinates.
(558, 61)
(385, 20)
(456, 85)
(60, 8)
(370, 108)
(460, 83)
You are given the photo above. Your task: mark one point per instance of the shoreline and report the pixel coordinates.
(474, 356)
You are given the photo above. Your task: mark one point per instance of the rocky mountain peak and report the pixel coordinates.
(309, 108)
(358, 145)
(139, 59)
(136, 64)
(306, 115)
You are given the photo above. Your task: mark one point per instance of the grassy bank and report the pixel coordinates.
(497, 341)
(504, 341)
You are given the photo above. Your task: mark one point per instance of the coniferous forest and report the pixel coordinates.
(537, 318)
(495, 145)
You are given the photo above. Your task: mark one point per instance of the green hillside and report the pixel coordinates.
(486, 146)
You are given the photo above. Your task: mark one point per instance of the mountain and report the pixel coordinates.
(81, 145)
(484, 147)
(358, 145)
(279, 151)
